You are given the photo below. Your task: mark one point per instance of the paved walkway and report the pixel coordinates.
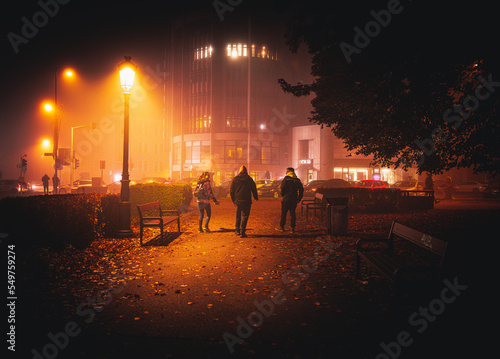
(273, 294)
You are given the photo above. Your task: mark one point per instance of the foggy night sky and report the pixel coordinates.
(93, 36)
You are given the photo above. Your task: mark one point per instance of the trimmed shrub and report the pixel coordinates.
(56, 221)
(79, 219)
(171, 196)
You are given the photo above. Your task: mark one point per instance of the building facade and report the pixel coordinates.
(318, 155)
(225, 106)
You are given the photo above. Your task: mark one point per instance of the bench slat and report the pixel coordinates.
(433, 244)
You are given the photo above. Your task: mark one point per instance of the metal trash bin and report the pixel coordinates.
(337, 216)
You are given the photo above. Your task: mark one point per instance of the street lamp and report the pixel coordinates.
(57, 126)
(127, 75)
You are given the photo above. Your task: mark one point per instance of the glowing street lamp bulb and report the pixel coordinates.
(127, 75)
(68, 73)
(48, 107)
(46, 143)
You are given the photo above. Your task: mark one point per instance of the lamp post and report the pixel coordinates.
(127, 75)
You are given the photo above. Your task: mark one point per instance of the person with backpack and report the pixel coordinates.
(203, 194)
(292, 191)
(242, 188)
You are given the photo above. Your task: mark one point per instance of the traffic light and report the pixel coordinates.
(77, 163)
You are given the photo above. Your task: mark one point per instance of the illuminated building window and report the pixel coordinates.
(241, 50)
(203, 52)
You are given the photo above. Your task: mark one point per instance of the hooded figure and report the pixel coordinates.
(242, 189)
(292, 192)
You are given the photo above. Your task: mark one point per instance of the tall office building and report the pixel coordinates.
(225, 107)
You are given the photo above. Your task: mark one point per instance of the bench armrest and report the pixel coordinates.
(306, 201)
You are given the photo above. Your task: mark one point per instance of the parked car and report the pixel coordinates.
(83, 186)
(261, 182)
(336, 182)
(11, 186)
(471, 186)
(160, 180)
(311, 187)
(116, 186)
(270, 190)
(373, 184)
(492, 189)
(193, 182)
(222, 190)
(410, 185)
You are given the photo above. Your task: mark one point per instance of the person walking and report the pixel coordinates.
(429, 186)
(292, 192)
(241, 191)
(45, 181)
(203, 194)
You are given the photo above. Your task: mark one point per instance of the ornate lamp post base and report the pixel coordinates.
(123, 229)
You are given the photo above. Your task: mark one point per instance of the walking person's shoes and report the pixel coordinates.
(200, 230)
(281, 229)
(243, 235)
(206, 230)
(237, 231)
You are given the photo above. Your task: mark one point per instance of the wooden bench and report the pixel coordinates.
(392, 268)
(315, 204)
(158, 219)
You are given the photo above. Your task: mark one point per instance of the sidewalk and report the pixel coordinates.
(273, 294)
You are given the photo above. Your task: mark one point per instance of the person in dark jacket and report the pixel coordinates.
(204, 201)
(292, 191)
(242, 189)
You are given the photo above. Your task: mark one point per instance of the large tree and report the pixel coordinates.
(410, 83)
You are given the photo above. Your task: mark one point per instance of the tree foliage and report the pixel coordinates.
(422, 91)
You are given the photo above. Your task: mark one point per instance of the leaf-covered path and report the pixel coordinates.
(214, 295)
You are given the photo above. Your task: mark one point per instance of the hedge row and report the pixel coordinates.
(78, 219)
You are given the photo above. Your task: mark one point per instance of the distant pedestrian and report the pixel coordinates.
(204, 194)
(45, 181)
(429, 185)
(242, 189)
(292, 192)
(55, 184)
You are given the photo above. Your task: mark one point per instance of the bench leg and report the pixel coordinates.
(141, 234)
(178, 224)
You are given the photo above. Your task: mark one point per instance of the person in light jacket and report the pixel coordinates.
(204, 201)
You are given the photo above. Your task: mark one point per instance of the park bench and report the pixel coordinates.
(393, 268)
(158, 218)
(316, 204)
